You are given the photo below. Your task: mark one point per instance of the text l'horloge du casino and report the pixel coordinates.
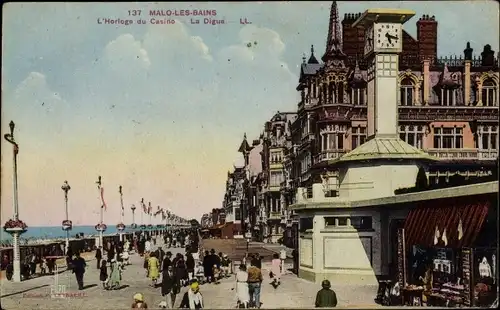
(167, 17)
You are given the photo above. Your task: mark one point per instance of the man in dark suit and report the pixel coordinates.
(160, 254)
(170, 287)
(98, 257)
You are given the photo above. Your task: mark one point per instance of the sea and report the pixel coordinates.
(54, 232)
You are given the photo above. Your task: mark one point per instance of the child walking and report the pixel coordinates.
(103, 275)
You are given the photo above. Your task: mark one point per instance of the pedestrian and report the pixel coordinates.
(148, 246)
(167, 261)
(190, 264)
(153, 269)
(199, 275)
(180, 270)
(283, 258)
(192, 299)
(115, 277)
(254, 283)
(169, 288)
(98, 256)
(207, 267)
(242, 292)
(275, 272)
(103, 275)
(160, 254)
(224, 265)
(79, 265)
(326, 297)
(139, 302)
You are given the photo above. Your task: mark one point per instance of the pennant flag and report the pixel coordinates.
(144, 207)
(150, 209)
(444, 238)
(158, 212)
(102, 199)
(436, 236)
(460, 230)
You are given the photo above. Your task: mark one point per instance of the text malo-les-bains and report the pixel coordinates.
(157, 13)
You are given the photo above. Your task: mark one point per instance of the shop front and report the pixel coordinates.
(447, 252)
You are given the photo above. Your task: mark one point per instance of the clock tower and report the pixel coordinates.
(383, 43)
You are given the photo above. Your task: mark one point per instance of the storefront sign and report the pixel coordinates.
(466, 273)
(401, 257)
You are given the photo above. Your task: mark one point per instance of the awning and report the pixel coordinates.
(220, 226)
(455, 223)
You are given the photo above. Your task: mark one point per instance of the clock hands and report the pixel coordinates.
(390, 37)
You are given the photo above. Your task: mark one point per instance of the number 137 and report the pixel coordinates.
(134, 12)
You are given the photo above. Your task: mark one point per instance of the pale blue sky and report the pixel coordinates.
(161, 109)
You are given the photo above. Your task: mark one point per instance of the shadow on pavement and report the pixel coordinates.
(89, 286)
(119, 287)
(24, 291)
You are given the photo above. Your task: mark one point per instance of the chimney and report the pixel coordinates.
(427, 37)
(487, 56)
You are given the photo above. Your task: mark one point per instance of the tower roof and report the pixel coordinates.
(385, 148)
(244, 146)
(334, 39)
(312, 58)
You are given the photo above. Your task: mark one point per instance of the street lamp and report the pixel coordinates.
(121, 226)
(67, 225)
(100, 227)
(15, 226)
(133, 215)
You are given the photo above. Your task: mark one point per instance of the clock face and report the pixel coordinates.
(368, 40)
(388, 36)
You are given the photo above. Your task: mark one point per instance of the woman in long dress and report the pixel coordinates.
(276, 270)
(153, 268)
(242, 292)
(115, 277)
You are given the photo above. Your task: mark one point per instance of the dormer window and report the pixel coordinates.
(407, 93)
(358, 96)
(489, 93)
(448, 96)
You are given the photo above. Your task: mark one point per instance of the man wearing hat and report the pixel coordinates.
(139, 302)
(192, 299)
(225, 264)
(326, 297)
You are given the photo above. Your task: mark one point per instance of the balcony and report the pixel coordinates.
(464, 154)
(329, 155)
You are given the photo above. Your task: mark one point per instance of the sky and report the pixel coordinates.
(162, 109)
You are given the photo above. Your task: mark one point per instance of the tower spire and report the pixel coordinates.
(334, 39)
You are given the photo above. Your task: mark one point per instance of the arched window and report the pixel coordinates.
(358, 95)
(489, 93)
(331, 93)
(406, 92)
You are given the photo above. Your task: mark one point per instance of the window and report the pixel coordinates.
(276, 157)
(358, 136)
(237, 214)
(488, 138)
(358, 96)
(413, 135)
(305, 223)
(448, 138)
(361, 222)
(406, 92)
(332, 141)
(340, 92)
(356, 222)
(276, 177)
(448, 96)
(488, 96)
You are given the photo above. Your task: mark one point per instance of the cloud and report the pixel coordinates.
(125, 55)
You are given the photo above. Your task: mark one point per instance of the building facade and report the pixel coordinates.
(446, 107)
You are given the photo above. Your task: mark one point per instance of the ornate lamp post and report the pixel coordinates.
(134, 225)
(15, 226)
(121, 227)
(100, 227)
(67, 225)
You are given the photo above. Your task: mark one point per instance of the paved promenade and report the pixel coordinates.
(36, 293)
